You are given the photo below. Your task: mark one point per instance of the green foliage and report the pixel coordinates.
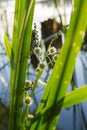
(75, 97)
(55, 92)
(55, 96)
(20, 46)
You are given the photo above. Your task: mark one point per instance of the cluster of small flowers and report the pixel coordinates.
(41, 66)
(28, 85)
(35, 39)
(38, 51)
(53, 52)
(36, 34)
(28, 100)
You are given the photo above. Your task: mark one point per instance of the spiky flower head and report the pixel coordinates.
(28, 100)
(41, 66)
(37, 51)
(52, 50)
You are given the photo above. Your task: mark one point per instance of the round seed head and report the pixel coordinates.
(41, 65)
(28, 100)
(52, 51)
(37, 51)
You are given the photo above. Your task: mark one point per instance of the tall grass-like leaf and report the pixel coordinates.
(7, 46)
(71, 98)
(14, 42)
(54, 94)
(20, 46)
(75, 97)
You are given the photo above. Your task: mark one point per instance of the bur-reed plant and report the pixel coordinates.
(19, 53)
(55, 96)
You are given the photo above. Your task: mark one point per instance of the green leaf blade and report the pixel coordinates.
(8, 47)
(21, 46)
(75, 97)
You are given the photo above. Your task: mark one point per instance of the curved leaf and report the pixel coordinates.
(75, 97)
